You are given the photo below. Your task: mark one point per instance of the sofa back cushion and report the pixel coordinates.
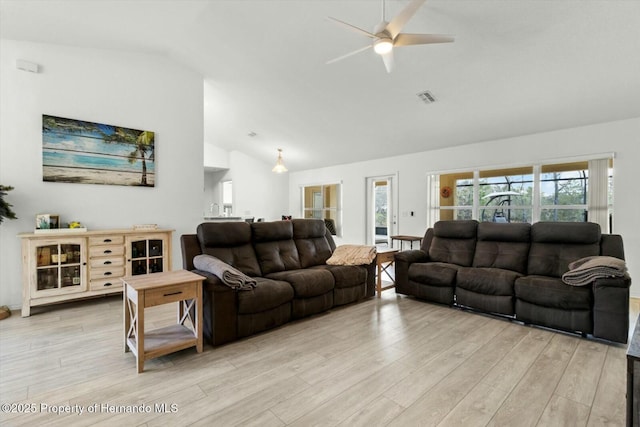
(275, 249)
(310, 238)
(231, 243)
(555, 244)
(453, 242)
(503, 245)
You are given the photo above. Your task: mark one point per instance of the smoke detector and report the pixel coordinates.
(427, 97)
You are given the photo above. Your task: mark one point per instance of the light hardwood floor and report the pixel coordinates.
(390, 361)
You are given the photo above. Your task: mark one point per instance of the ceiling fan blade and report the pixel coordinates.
(339, 58)
(404, 39)
(387, 58)
(398, 22)
(353, 27)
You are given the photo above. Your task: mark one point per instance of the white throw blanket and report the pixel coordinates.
(352, 255)
(586, 270)
(230, 276)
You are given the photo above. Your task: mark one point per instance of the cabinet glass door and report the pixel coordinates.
(155, 256)
(58, 266)
(147, 256)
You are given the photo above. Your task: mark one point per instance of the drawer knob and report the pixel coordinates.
(108, 284)
(108, 273)
(107, 262)
(173, 293)
(107, 251)
(107, 240)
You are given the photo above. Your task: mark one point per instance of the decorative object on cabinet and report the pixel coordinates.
(82, 152)
(58, 267)
(47, 221)
(145, 226)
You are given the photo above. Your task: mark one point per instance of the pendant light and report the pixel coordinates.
(279, 167)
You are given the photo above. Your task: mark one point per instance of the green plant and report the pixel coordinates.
(5, 207)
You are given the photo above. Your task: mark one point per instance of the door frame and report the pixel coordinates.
(392, 207)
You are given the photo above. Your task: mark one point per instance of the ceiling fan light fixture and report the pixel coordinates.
(383, 46)
(279, 167)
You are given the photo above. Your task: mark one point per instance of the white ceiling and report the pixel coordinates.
(516, 68)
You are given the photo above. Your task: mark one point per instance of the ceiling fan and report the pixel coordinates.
(387, 35)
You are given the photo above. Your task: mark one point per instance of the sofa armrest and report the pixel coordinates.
(371, 279)
(403, 261)
(219, 309)
(412, 256)
(611, 308)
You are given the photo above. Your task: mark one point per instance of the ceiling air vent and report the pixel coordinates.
(427, 97)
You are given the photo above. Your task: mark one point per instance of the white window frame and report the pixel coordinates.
(433, 190)
(337, 210)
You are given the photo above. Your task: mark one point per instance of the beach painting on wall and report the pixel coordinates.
(92, 153)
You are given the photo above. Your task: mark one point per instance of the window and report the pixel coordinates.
(563, 192)
(456, 196)
(227, 198)
(323, 202)
(505, 195)
(575, 191)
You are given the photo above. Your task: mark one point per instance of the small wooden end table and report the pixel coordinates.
(384, 260)
(149, 290)
(404, 238)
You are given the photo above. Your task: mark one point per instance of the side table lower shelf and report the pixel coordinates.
(163, 341)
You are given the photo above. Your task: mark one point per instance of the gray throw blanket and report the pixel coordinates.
(230, 276)
(586, 270)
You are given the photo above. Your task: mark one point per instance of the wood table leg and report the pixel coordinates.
(127, 317)
(140, 332)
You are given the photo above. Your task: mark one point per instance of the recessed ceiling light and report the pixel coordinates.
(252, 134)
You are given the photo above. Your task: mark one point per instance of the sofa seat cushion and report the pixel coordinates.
(434, 273)
(487, 281)
(267, 294)
(306, 282)
(552, 292)
(346, 276)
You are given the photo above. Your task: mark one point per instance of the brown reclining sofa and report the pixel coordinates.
(515, 270)
(287, 259)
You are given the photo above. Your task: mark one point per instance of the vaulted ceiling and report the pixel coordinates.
(515, 68)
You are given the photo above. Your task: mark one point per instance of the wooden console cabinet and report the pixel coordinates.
(59, 266)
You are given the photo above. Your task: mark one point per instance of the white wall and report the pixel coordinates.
(133, 90)
(257, 191)
(621, 137)
(215, 157)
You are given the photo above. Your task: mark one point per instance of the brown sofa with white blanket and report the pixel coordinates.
(562, 275)
(286, 263)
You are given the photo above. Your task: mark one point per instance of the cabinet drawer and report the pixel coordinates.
(109, 262)
(106, 240)
(106, 250)
(107, 273)
(169, 294)
(102, 284)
